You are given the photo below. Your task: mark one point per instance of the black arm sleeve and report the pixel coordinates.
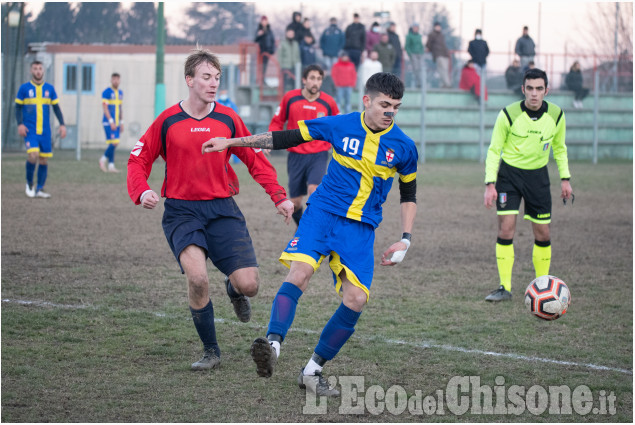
(58, 114)
(18, 113)
(287, 139)
(408, 191)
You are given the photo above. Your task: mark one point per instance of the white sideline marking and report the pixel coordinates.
(380, 339)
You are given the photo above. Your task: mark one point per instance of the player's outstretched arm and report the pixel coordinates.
(270, 140)
(262, 140)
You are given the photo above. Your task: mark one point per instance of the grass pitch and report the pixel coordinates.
(95, 324)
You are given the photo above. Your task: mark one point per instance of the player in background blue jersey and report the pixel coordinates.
(111, 102)
(340, 220)
(33, 111)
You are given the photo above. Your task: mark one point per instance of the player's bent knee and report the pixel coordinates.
(198, 289)
(249, 288)
(355, 299)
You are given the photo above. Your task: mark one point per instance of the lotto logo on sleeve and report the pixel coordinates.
(545, 147)
(136, 150)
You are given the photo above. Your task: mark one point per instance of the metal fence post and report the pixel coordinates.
(481, 124)
(80, 72)
(596, 111)
(424, 89)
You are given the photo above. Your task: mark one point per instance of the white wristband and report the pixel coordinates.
(111, 121)
(145, 192)
(398, 256)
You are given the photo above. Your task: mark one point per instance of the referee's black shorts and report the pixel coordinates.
(514, 184)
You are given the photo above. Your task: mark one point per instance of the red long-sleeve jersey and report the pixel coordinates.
(294, 107)
(190, 175)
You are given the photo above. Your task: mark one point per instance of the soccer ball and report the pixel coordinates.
(547, 297)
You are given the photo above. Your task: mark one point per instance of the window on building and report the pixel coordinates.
(71, 78)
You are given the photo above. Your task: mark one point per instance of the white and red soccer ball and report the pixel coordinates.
(547, 297)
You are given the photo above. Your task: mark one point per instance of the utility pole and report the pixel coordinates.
(159, 89)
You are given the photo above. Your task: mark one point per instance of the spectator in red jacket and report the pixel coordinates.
(471, 81)
(344, 77)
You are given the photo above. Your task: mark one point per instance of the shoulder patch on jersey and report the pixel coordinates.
(136, 150)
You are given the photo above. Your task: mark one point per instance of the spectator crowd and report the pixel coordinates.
(350, 54)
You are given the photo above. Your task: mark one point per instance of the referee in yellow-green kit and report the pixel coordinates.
(516, 168)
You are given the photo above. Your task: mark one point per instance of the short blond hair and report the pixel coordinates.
(197, 57)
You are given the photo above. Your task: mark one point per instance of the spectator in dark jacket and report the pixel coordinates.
(478, 50)
(514, 78)
(306, 24)
(574, 83)
(297, 26)
(307, 51)
(393, 37)
(525, 49)
(266, 43)
(355, 37)
(331, 42)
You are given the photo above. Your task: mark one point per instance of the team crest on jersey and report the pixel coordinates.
(321, 114)
(390, 155)
(31, 93)
(502, 199)
(46, 93)
(136, 150)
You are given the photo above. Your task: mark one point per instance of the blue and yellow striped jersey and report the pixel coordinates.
(37, 101)
(363, 167)
(113, 98)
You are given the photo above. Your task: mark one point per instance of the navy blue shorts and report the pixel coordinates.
(305, 169)
(216, 225)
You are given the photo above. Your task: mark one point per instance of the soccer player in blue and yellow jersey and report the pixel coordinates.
(340, 220)
(111, 102)
(525, 132)
(33, 111)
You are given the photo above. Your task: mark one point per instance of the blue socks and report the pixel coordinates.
(204, 323)
(336, 332)
(30, 171)
(42, 171)
(283, 309)
(110, 153)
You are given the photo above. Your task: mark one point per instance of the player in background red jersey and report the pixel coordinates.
(306, 163)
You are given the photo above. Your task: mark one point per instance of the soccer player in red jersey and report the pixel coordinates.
(201, 219)
(306, 164)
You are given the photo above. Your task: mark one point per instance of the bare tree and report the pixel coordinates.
(604, 21)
